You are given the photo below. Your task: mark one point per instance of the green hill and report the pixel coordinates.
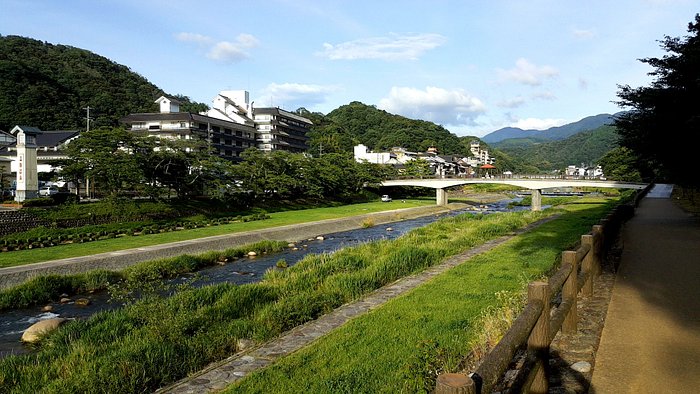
(585, 147)
(48, 86)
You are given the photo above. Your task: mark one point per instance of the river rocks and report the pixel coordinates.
(82, 302)
(65, 300)
(36, 331)
(47, 308)
(581, 366)
(244, 343)
(320, 238)
(389, 229)
(252, 254)
(291, 245)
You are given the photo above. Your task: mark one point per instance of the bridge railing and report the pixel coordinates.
(502, 177)
(536, 326)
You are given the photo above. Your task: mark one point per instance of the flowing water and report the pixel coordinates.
(246, 270)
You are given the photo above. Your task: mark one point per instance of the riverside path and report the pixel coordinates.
(651, 338)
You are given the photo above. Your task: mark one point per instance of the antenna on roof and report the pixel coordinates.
(88, 118)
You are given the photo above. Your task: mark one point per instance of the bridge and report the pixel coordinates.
(535, 184)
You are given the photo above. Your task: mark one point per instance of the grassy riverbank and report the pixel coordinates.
(156, 341)
(21, 257)
(401, 346)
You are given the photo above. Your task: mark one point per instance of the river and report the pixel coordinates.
(246, 270)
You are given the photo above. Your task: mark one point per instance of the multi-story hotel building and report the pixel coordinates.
(231, 126)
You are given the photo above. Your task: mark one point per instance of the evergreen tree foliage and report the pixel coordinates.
(48, 86)
(665, 116)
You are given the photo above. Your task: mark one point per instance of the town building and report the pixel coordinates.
(442, 165)
(50, 146)
(27, 151)
(226, 138)
(230, 126)
(584, 171)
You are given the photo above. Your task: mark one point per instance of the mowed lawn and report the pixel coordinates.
(399, 346)
(21, 257)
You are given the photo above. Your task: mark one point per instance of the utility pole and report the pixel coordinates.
(88, 118)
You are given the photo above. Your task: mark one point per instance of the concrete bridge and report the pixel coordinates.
(535, 184)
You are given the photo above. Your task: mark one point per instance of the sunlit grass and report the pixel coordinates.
(401, 346)
(9, 259)
(156, 341)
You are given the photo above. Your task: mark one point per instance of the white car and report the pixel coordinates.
(46, 191)
(386, 198)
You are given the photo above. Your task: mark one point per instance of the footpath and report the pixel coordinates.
(650, 342)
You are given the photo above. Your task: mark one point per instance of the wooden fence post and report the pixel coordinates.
(599, 245)
(454, 383)
(570, 292)
(587, 265)
(538, 342)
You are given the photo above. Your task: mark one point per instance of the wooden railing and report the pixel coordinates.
(538, 323)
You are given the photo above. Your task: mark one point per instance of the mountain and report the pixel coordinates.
(48, 86)
(583, 147)
(553, 133)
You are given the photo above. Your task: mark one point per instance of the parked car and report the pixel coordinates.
(46, 191)
(386, 198)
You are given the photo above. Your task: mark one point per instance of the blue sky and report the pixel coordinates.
(472, 66)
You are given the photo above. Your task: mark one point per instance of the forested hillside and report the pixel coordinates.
(48, 86)
(355, 123)
(585, 147)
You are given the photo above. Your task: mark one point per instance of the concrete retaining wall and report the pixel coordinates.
(118, 260)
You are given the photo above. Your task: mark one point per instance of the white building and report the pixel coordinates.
(230, 126)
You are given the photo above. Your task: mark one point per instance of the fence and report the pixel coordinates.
(538, 323)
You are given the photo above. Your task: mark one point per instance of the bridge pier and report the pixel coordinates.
(441, 196)
(536, 204)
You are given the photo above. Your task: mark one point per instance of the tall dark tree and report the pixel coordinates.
(665, 117)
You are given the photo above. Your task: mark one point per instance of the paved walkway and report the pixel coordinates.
(651, 339)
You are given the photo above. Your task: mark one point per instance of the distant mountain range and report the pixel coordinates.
(551, 134)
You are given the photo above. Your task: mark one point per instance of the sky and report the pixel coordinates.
(471, 66)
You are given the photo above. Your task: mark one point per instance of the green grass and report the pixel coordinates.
(401, 346)
(125, 283)
(156, 341)
(10, 259)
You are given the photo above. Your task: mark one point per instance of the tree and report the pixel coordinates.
(665, 117)
(620, 164)
(106, 157)
(418, 168)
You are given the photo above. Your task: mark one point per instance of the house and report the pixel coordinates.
(584, 171)
(230, 126)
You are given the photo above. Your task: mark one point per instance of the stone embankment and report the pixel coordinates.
(14, 221)
(118, 260)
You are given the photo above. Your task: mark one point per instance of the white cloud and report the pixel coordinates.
(528, 73)
(546, 95)
(393, 47)
(229, 52)
(511, 103)
(453, 107)
(583, 34)
(193, 37)
(224, 51)
(295, 95)
(538, 124)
